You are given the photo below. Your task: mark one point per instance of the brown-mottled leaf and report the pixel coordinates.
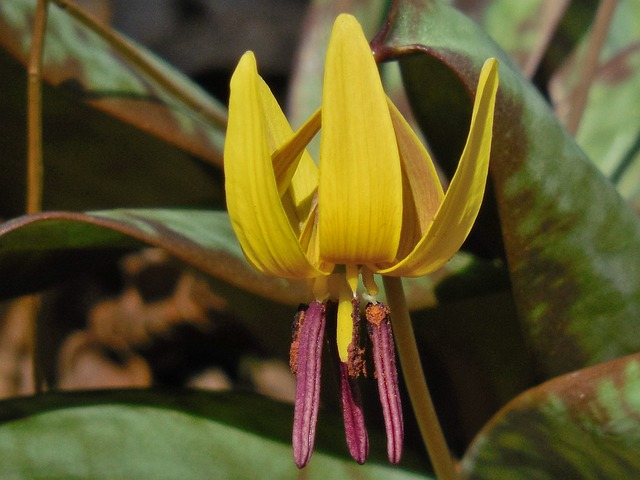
(43, 250)
(572, 243)
(35, 249)
(475, 360)
(583, 425)
(113, 135)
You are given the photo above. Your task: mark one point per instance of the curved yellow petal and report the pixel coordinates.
(360, 185)
(257, 214)
(462, 201)
(421, 188)
(296, 173)
(293, 167)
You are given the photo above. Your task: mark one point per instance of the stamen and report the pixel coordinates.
(384, 358)
(354, 427)
(356, 360)
(311, 326)
(295, 343)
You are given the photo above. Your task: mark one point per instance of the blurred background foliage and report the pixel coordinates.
(530, 336)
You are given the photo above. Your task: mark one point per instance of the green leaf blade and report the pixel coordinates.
(572, 243)
(166, 435)
(113, 134)
(581, 425)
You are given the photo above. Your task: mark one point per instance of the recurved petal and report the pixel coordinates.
(257, 214)
(462, 201)
(297, 174)
(295, 171)
(421, 189)
(291, 147)
(360, 185)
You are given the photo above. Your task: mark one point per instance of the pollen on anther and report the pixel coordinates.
(376, 313)
(295, 342)
(356, 359)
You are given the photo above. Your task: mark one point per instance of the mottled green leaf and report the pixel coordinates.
(40, 249)
(113, 135)
(572, 243)
(475, 360)
(37, 251)
(582, 425)
(169, 435)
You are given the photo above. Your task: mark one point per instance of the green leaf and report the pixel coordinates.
(113, 134)
(41, 250)
(582, 425)
(475, 361)
(38, 251)
(158, 435)
(570, 239)
(30, 245)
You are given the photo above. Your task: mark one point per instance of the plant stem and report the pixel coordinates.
(34, 111)
(599, 32)
(416, 383)
(552, 13)
(35, 167)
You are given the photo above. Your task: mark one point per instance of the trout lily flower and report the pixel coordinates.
(372, 204)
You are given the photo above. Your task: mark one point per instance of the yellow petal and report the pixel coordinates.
(462, 201)
(290, 146)
(258, 217)
(296, 173)
(421, 189)
(360, 185)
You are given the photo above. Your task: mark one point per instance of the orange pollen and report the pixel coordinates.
(376, 313)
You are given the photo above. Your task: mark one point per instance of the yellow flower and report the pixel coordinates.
(372, 204)
(379, 202)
